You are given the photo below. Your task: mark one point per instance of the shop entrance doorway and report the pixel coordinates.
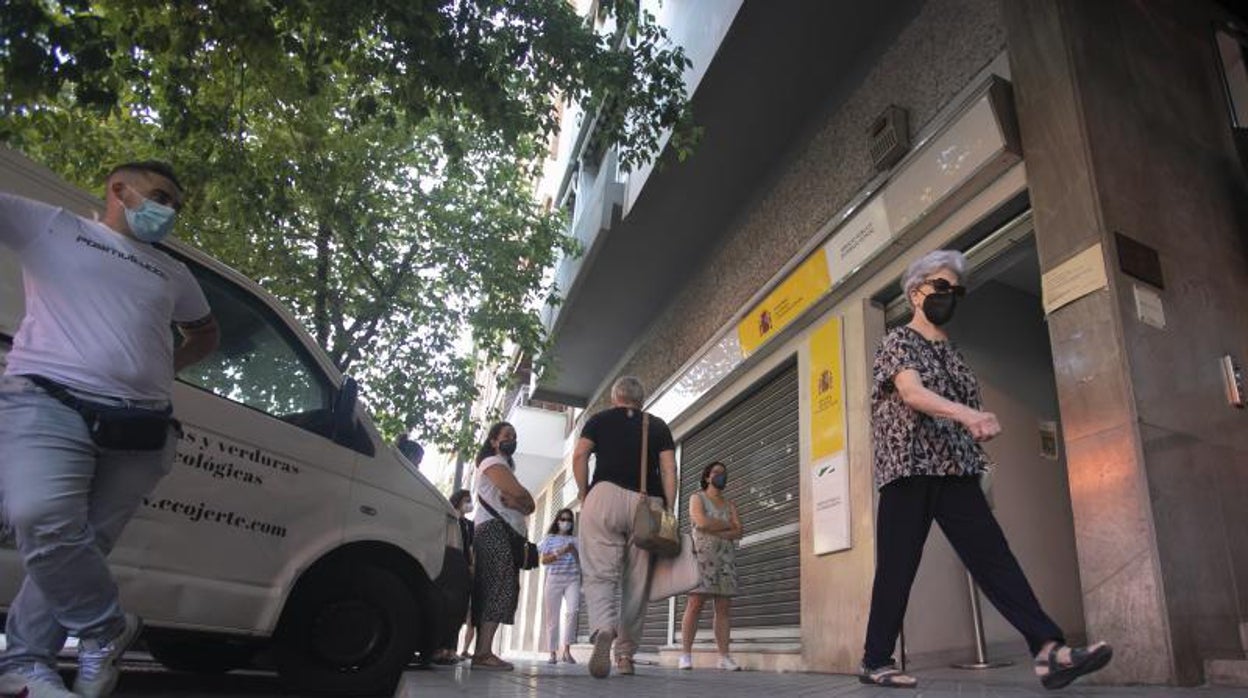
(1000, 329)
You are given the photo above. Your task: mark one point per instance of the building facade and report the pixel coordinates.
(1088, 159)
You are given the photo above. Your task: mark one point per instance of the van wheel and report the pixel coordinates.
(198, 656)
(348, 632)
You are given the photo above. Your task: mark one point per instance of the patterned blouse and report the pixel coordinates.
(909, 442)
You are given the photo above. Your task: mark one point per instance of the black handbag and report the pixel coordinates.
(113, 427)
(523, 553)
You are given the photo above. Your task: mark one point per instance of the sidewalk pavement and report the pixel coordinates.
(539, 679)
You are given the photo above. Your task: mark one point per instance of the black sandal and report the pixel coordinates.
(888, 676)
(1083, 660)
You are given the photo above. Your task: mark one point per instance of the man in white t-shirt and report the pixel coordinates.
(100, 303)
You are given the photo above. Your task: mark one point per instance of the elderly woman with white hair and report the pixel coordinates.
(928, 425)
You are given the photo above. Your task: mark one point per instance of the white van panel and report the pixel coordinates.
(223, 527)
(252, 500)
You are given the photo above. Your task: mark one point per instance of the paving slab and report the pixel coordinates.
(534, 678)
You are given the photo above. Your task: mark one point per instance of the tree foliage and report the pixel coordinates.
(369, 162)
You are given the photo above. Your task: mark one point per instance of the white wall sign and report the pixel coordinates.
(1148, 307)
(858, 240)
(829, 490)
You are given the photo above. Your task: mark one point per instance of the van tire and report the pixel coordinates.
(198, 656)
(348, 629)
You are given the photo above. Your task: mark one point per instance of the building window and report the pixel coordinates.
(1232, 50)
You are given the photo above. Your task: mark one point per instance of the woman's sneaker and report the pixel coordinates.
(97, 662)
(686, 662)
(600, 660)
(727, 664)
(34, 682)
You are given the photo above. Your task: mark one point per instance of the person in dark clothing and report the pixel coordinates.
(411, 450)
(929, 424)
(461, 502)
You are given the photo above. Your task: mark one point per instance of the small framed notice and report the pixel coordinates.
(1073, 279)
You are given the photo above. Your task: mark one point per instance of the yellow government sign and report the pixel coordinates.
(827, 409)
(796, 293)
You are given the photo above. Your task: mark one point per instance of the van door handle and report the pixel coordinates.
(367, 510)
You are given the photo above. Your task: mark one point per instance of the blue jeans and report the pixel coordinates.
(67, 502)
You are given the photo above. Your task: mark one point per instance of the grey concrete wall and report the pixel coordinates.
(1125, 130)
(922, 70)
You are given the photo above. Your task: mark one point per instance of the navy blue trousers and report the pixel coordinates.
(907, 508)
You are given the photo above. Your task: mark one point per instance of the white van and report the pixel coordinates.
(287, 524)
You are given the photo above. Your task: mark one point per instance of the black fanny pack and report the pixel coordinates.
(111, 426)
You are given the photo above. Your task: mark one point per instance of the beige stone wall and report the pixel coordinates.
(1126, 131)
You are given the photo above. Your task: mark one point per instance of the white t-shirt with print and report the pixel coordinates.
(487, 490)
(98, 304)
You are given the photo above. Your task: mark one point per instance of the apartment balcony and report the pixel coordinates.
(541, 434)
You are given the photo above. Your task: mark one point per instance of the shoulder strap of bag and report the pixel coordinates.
(645, 444)
(497, 515)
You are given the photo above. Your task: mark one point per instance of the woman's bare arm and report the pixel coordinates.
(704, 523)
(515, 496)
(982, 425)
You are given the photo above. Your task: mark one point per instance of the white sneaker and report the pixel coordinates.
(727, 664)
(686, 662)
(36, 682)
(97, 663)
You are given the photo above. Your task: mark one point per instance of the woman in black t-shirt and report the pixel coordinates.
(615, 574)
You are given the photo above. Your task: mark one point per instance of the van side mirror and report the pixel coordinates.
(344, 410)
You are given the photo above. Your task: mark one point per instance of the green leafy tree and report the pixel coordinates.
(369, 162)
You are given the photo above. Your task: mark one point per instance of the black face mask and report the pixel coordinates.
(507, 448)
(939, 307)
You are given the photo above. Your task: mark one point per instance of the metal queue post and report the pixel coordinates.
(977, 614)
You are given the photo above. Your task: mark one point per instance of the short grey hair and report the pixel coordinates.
(628, 390)
(931, 263)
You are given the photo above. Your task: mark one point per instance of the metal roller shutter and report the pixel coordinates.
(758, 440)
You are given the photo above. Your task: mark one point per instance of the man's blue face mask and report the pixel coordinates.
(150, 222)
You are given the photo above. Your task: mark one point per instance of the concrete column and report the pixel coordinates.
(1125, 131)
